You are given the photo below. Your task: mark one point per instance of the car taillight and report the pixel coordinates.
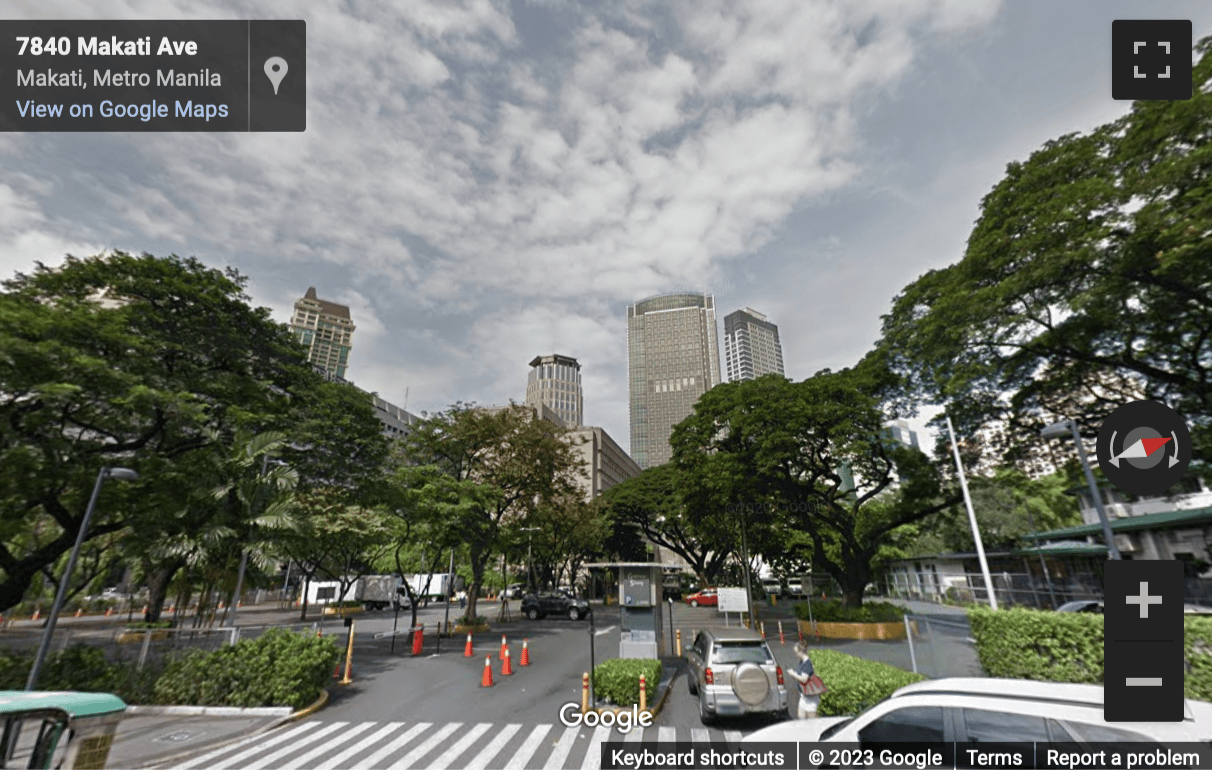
(778, 671)
(708, 677)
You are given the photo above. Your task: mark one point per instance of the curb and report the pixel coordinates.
(208, 711)
(319, 703)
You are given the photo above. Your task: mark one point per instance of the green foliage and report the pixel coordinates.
(278, 668)
(854, 683)
(80, 668)
(618, 680)
(139, 625)
(836, 612)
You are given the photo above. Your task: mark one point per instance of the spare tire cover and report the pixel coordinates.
(750, 684)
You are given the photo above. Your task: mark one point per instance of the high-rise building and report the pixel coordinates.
(327, 331)
(673, 357)
(556, 381)
(751, 346)
(900, 432)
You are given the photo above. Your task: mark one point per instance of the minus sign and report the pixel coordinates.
(1143, 681)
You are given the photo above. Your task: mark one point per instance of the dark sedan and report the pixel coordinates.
(560, 602)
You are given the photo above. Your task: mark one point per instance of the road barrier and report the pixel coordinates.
(585, 694)
(418, 639)
(679, 642)
(643, 694)
(467, 651)
(504, 647)
(782, 639)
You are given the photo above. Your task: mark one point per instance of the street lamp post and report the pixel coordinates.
(1060, 429)
(530, 555)
(124, 474)
(235, 599)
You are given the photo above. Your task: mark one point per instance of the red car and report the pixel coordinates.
(708, 597)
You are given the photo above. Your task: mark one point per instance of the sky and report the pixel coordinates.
(483, 182)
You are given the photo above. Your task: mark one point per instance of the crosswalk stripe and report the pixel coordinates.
(295, 746)
(667, 734)
(635, 736)
(372, 759)
(523, 754)
(324, 747)
(560, 754)
(472, 736)
(426, 747)
(732, 736)
(492, 749)
(700, 735)
(303, 740)
(593, 759)
(262, 745)
(335, 761)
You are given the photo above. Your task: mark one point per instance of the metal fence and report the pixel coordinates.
(941, 646)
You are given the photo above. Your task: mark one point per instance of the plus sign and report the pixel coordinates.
(1144, 600)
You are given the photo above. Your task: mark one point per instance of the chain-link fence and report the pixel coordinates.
(941, 646)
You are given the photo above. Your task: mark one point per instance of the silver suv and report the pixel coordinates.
(734, 673)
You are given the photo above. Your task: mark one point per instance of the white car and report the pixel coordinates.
(999, 710)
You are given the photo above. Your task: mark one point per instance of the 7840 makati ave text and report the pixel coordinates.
(915, 756)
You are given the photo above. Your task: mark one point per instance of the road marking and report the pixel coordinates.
(593, 759)
(426, 747)
(449, 756)
(732, 736)
(606, 630)
(492, 749)
(295, 744)
(635, 736)
(336, 761)
(323, 747)
(523, 754)
(266, 744)
(373, 759)
(563, 747)
(700, 736)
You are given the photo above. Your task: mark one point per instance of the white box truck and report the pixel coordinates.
(439, 585)
(378, 592)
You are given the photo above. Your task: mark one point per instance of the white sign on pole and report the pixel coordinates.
(733, 600)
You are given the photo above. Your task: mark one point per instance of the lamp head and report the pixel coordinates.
(125, 474)
(1058, 429)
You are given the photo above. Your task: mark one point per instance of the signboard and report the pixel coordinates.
(733, 600)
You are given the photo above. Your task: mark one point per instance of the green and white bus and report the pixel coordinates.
(69, 730)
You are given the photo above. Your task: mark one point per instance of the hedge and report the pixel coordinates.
(81, 668)
(854, 683)
(618, 680)
(835, 612)
(1022, 643)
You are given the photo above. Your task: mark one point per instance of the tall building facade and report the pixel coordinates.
(327, 331)
(556, 381)
(900, 432)
(673, 357)
(751, 346)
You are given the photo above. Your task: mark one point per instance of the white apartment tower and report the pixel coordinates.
(751, 346)
(327, 331)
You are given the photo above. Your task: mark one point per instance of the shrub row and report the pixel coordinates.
(854, 683)
(82, 668)
(618, 680)
(1022, 643)
(835, 612)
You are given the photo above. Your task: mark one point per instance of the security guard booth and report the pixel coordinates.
(642, 618)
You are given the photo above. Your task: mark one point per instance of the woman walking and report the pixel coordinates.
(811, 686)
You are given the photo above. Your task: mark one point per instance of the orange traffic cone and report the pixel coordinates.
(507, 667)
(487, 680)
(467, 653)
(336, 672)
(37, 614)
(504, 647)
(525, 661)
(782, 639)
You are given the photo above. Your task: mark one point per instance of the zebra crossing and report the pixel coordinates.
(402, 745)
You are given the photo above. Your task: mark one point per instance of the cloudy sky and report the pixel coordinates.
(483, 182)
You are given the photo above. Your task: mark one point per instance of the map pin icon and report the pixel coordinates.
(275, 70)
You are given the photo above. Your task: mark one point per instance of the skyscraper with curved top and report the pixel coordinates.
(673, 357)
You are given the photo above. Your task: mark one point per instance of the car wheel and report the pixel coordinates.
(532, 614)
(574, 614)
(705, 716)
(692, 683)
(694, 602)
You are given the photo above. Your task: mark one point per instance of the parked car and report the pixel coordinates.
(795, 588)
(708, 597)
(1082, 605)
(999, 710)
(772, 587)
(558, 602)
(733, 673)
(515, 591)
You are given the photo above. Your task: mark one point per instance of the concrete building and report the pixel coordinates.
(397, 423)
(606, 464)
(900, 432)
(751, 346)
(555, 380)
(673, 358)
(327, 331)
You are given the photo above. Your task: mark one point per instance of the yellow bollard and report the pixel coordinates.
(585, 694)
(774, 600)
(679, 642)
(349, 657)
(643, 694)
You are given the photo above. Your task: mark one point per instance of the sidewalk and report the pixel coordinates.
(144, 740)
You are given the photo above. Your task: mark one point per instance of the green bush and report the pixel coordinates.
(854, 683)
(140, 625)
(80, 668)
(278, 668)
(835, 612)
(478, 621)
(618, 680)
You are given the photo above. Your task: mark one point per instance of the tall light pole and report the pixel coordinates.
(124, 474)
(530, 555)
(976, 531)
(235, 599)
(1060, 429)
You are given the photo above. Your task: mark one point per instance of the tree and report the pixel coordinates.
(785, 454)
(516, 459)
(122, 360)
(1087, 282)
(653, 502)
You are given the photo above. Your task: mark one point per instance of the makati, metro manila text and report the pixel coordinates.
(108, 78)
